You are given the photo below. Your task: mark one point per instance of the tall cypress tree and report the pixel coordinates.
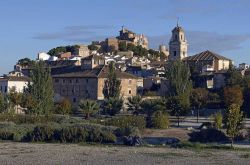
(113, 103)
(112, 86)
(41, 89)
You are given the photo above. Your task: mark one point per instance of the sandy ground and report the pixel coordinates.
(28, 153)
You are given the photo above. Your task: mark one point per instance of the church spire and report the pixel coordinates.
(177, 22)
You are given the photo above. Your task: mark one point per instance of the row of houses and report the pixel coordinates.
(84, 77)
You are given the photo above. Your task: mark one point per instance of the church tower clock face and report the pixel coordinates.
(178, 44)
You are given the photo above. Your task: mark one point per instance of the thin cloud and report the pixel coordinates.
(74, 33)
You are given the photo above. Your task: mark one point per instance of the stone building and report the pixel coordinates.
(208, 61)
(178, 44)
(87, 82)
(131, 37)
(82, 51)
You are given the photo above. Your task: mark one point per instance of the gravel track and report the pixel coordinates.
(30, 153)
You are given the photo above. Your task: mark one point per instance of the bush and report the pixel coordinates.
(218, 120)
(54, 132)
(160, 120)
(72, 134)
(33, 119)
(127, 121)
(41, 134)
(127, 131)
(208, 135)
(6, 135)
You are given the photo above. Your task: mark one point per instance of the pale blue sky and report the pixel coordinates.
(31, 26)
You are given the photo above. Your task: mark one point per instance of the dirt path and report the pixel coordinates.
(27, 153)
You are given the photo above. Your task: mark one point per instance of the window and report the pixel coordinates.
(87, 80)
(56, 80)
(63, 80)
(5, 90)
(77, 80)
(175, 37)
(175, 53)
(130, 81)
(129, 91)
(70, 81)
(181, 37)
(74, 100)
(184, 53)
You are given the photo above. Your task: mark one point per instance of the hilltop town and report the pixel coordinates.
(120, 92)
(142, 70)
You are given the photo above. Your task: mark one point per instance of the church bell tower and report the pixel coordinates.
(178, 44)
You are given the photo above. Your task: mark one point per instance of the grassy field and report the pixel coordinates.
(35, 153)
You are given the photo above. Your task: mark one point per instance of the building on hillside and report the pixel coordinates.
(92, 62)
(111, 43)
(163, 49)
(208, 61)
(131, 37)
(16, 83)
(82, 51)
(87, 82)
(178, 46)
(65, 56)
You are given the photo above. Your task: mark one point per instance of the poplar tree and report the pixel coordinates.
(41, 89)
(179, 89)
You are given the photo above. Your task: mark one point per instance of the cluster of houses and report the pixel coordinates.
(82, 74)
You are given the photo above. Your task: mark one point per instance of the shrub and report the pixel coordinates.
(10, 131)
(6, 135)
(41, 134)
(53, 132)
(71, 134)
(218, 120)
(160, 120)
(33, 119)
(127, 131)
(127, 121)
(208, 135)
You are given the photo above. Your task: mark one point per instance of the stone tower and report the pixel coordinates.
(178, 44)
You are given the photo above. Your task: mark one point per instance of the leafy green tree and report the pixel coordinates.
(218, 118)
(2, 103)
(112, 106)
(65, 107)
(28, 102)
(56, 51)
(234, 119)
(26, 62)
(134, 104)
(160, 120)
(233, 77)
(41, 89)
(88, 107)
(14, 97)
(233, 95)
(150, 106)
(63, 49)
(112, 86)
(180, 85)
(198, 98)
